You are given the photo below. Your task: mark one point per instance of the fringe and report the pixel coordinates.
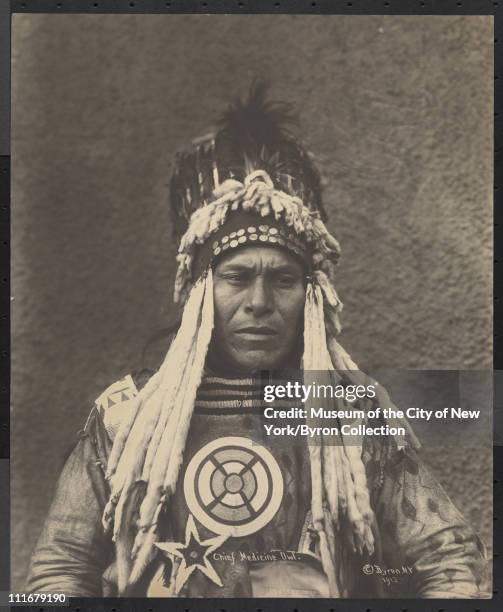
(314, 359)
(141, 455)
(182, 414)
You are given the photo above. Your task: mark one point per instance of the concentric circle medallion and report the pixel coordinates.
(233, 486)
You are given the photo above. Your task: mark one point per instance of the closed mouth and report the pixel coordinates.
(258, 331)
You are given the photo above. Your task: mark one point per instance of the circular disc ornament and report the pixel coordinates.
(233, 486)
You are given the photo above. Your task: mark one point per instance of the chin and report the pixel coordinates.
(263, 361)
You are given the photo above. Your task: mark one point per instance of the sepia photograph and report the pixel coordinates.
(251, 305)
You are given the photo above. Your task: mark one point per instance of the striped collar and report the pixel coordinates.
(234, 395)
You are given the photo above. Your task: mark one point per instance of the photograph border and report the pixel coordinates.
(329, 7)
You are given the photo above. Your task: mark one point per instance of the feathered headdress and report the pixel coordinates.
(251, 135)
(248, 182)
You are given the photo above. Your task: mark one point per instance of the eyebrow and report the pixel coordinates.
(241, 267)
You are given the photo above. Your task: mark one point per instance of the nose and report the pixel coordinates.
(259, 300)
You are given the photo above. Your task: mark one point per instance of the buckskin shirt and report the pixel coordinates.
(239, 523)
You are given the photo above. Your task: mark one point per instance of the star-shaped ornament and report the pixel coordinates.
(194, 554)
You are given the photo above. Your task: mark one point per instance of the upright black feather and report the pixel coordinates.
(256, 131)
(253, 134)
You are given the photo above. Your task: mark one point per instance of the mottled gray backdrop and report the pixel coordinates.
(399, 111)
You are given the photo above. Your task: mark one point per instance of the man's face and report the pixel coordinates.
(259, 297)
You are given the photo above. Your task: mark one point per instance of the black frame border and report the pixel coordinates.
(307, 7)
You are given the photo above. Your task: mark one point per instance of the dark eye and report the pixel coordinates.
(286, 280)
(236, 278)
